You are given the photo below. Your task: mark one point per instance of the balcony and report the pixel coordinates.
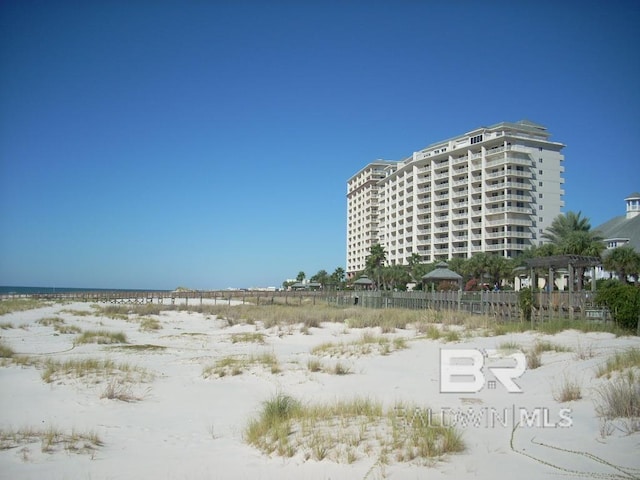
(462, 181)
(441, 208)
(494, 151)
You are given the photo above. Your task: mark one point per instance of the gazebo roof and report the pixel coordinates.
(364, 280)
(442, 272)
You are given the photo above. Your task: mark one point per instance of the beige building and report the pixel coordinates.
(494, 189)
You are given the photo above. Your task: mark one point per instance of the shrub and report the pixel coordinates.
(623, 301)
(525, 302)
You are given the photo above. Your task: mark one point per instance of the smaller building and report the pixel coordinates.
(622, 231)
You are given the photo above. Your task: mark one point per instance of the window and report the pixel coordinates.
(540, 172)
(540, 160)
(539, 184)
(539, 207)
(476, 139)
(540, 195)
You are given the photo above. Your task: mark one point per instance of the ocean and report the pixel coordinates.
(4, 290)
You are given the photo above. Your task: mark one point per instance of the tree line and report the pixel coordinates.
(568, 234)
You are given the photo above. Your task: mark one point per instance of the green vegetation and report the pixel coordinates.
(337, 368)
(348, 430)
(77, 313)
(91, 368)
(236, 365)
(368, 343)
(567, 391)
(51, 439)
(6, 351)
(101, 337)
(247, 337)
(147, 347)
(545, 346)
(149, 324)
(623, 301)
(20, 305)
(50, 321)
(619, 362)
(619, 399)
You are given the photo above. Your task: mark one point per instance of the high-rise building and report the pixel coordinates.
(494, 189)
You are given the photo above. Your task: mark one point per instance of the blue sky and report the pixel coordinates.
(151, 144)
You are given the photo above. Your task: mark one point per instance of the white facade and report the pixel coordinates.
(494, 189)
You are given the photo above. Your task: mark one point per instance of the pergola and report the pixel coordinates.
(570, 262)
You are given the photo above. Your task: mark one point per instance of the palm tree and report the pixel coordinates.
(374, 262)
(624, 261)
(322, 277)
(571, 234)
(301, 276)
(337, 277)
(562, 225)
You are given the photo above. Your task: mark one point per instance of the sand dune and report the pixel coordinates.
(176, 413)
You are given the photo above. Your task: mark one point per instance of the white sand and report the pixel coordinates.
(190, 427)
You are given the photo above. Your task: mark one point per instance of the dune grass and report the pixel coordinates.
(51, 439)
(368, 343)
(619, 362)
(77, 313)
(247, 337)
(147, 347)
(618, 400)
(6, 351)
(546, 346)
(236, 365)
(20, 305)
(568, 390)
(315, 365)
(93, 370)
(148, 324)
(102, 337)
(345, 431)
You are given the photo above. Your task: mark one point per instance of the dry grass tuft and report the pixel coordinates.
(346, 431)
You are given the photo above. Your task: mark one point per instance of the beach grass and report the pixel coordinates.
(568, 390)
(101, 337)
(247, 337)
(232, 365)
(619, 401)
(51, 439)
(149, 324)
(50, 321)
(368, 343)
(93, 370)
(147, 347)
(6, 351)
(20, 305)
(620, 361)
(345, 431)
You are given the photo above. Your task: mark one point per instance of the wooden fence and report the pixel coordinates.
(503, 305)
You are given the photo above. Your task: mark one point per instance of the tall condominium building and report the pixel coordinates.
(494, 189)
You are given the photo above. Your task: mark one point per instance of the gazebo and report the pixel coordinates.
(363, 283)
(442, 273)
